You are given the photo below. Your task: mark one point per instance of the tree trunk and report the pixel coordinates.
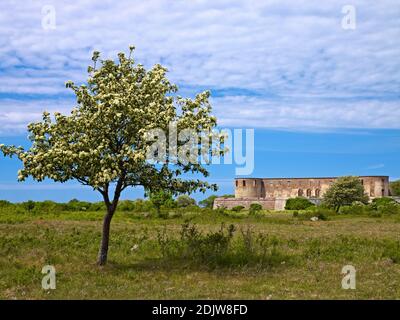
(111, 207)
(102, 258)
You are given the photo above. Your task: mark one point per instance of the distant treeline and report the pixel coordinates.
(138, 205)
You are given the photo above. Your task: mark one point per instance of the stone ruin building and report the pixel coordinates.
(272, 193)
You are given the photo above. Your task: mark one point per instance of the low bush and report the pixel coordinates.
(221, 211)
(143, 205)
(220, 248)
(318, 212)
(126, 205)
(28, 205)
(384, 205)
(376, 208)
(176, 214)
(375, 214)
(237, 208)
(5, 203)
(48, 207)
(208, 202)
(298, 203)
(163, 213)
(255, 208)
(389, 208)
(184, 201)
(76, 205)
(355, 209)
(377, 202)
(97, 206)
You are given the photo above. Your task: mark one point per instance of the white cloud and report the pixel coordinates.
(376, 166)
(40, 186)
(297, 66)
(306, 113)
(15, 115)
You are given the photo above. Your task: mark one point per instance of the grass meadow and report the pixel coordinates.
(203, 254)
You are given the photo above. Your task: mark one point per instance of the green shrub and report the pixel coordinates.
(255, 208)
(220, 248)
(184, 201)
(322, 216)
(221, 211)
(347, 210)
(98, 206)
(208, 202)
(298, 203)
(176, 214)
(28, 205)
(126, 205)
(141, 205)
(395, 188)
(325, 211)
(163, 213)
(389, 208)
(377, 202)
(193, 208)
(375, 214)
(170, 203)
(295, 213)
(381, 206)
(355, 209)
(320, 213)
(47, 207)
(237, 208)
(76, 205)
(161, 198)
(5, 203)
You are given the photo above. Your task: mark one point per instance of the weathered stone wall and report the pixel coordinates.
(395, 198)
(280, 203)
(250, 188)
(229, 203)
(272, 193)
(375, 186)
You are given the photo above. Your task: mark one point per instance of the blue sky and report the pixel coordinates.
(323, 100)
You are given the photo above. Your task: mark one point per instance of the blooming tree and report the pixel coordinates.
(103, 142)
(345, 191)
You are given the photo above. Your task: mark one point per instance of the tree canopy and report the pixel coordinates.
(104, 142)
(185, 201)
(344, 191)
(208, 202)
(161, 198)
(395, 188)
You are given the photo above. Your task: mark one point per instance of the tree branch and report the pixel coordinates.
(104, 193)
